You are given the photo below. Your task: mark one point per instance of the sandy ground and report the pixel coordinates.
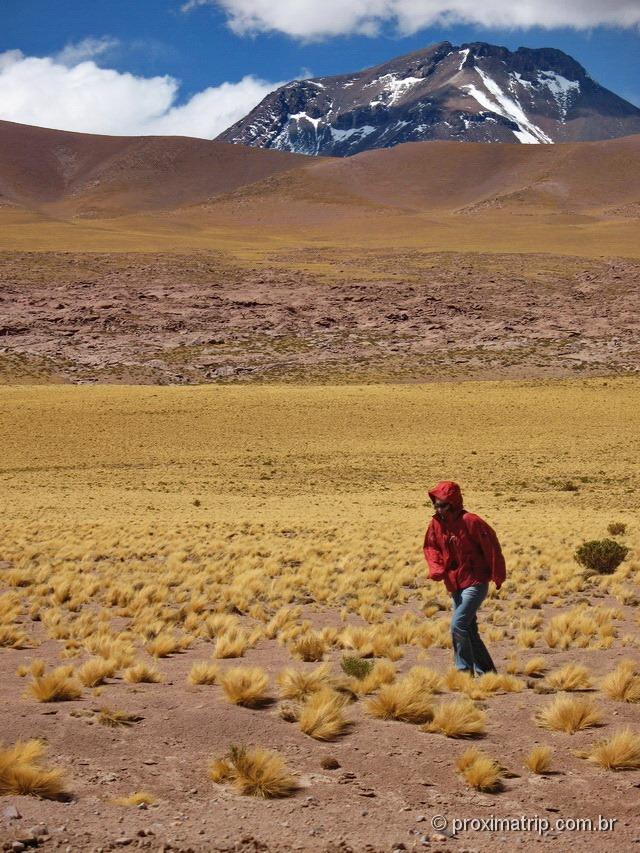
(314, 315)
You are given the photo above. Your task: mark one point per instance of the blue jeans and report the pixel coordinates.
(469, 652)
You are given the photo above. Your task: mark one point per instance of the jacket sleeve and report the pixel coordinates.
(486, 538)
(433, 555)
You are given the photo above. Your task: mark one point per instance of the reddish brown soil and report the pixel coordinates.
(314, 316)
(393, 778)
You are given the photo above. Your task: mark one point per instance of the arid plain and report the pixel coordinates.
(220, 413)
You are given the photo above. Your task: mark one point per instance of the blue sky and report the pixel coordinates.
(193, 66)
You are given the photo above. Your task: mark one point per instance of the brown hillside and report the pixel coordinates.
(452, 176)
(81, 173)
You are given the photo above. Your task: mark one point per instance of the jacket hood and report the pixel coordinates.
(449, 492)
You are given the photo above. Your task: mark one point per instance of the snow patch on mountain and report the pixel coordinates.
(341, 135)
(464, 54)
(528, 133)
(560, 88)
(393, 87)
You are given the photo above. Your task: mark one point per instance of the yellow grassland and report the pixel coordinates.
(202, 514)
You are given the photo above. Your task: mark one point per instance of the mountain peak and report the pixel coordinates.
(475, 92)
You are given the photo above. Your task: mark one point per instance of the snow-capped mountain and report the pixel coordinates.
(473, 93)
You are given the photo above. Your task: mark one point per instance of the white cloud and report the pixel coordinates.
(88, 48)
(80, 96)
(315, 19)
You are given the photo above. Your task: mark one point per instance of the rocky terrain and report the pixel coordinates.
(474, 92)
(314, 316)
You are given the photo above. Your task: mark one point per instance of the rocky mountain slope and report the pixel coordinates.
(472, 93)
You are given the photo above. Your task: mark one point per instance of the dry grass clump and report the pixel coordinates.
(96, 671)
(298, 684)
(458, 681)
(254, 771)
(232, 644)
(21, 772)
(569, 714)
(572, 676)
(112, 718)
(142, 673)
(309, 647)
(405, 700)
(245, 686)
(526, 638)
(621, 751)
(203, 672)
(479, 770)
(364, 676)
(36, 668)
(13, 637)
(623, 684)
(539, 759)
(167, 644)
(321, 716)
(490, 683)
(580, 628)
(428, 679)
(535, 666)
(458, 719)
(137, 798)
(55, 686)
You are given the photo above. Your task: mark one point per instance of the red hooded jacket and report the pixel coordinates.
(463, 550)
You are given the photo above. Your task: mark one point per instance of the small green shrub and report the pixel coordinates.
(617, 528)
(356, 667)
(601, 555)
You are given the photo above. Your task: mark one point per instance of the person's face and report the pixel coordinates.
(442, 508)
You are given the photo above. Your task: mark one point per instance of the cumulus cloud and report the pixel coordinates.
(78, 95)
(315, 19)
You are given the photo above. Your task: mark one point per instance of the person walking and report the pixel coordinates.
(462, 550)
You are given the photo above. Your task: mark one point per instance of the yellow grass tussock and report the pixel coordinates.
(245, 686)
(95, 671)
(621, 751)
(535, 666)
(232, 644)
(309, 647)
(166, 644)
(254, 771)
(490, 683)
(428, 679)
(297, 684)
(458, 681)
(55, 686)
(572, 676)
(142, 673)
(382, 672)
(21, 772)
(623, 683)
(479, 770)
(203, 672)
(405, 700)
(569, 714)
(36, 668)
(13, 637)
(459, 718)
(321, 716)
(539, 759)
